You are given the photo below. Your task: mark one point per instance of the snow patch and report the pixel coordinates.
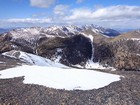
(138, 54)
(92, 65)
(57, 60)
(134, 39)
(59, 50)
(1, 62)
(59, 78)
(57, 57)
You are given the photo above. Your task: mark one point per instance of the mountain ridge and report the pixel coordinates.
(76, 44)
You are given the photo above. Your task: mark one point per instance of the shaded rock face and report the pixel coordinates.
(71, 50)
(8, 44)
(7, 62)
(103, 53)
(5, 44)
(123, 54)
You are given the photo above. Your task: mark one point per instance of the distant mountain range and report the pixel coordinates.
(3, 30)
(71, 29)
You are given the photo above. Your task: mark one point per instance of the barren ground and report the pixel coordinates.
(123, 92)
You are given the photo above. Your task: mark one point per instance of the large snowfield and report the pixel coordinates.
(61, 78)
(53, 74)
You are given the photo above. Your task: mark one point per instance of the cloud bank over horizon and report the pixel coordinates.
(113, 16)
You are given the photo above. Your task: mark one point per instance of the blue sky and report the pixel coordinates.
(107, 13)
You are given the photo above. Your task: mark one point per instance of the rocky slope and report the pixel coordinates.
(121, 52)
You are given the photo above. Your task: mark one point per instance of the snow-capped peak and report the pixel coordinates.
(98, 29)
(32, 34)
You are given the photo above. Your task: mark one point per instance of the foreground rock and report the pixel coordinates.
(124, 92)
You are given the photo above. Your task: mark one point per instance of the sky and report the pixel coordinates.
(119, 14)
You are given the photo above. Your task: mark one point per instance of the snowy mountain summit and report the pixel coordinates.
(69, 30)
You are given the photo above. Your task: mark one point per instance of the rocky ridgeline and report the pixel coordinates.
(71, 45)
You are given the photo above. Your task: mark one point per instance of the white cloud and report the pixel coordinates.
(117, 12)
(29, 20)
(120, 16)
(111, 16)
(79, 1)
(42, 3)
(60, 9)
(79, 13)
(25, 22)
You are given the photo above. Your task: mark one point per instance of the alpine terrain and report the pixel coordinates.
(69, 65)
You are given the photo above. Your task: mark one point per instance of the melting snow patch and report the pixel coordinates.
(1, 62)
(59, 78)
(92, 65)
(59, 50)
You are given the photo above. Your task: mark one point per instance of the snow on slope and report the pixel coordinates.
(32, 33)
(59, 78)
(63, 30)
(26, 33)
(36, 32)
(90, 64)
(33, 59)
(104, 31)
(41, 61)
